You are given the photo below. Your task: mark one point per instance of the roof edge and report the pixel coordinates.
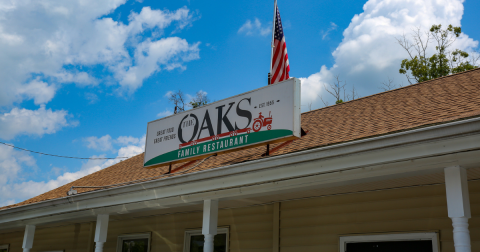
(187, 178)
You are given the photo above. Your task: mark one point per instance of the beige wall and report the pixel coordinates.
(316, 224)
(250, 229)
(72, 238)
(305, 225)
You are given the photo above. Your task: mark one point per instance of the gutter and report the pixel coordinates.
(401, 138)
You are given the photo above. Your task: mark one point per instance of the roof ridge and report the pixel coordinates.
(396, 89)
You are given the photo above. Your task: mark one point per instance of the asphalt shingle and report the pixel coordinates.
(432, 102)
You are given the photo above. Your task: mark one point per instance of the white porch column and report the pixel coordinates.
(210, 220)
(28, 238)
(101, 232)
(458, 206)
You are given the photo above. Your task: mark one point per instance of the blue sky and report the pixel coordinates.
(83, 78)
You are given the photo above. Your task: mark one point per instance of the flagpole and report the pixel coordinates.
(271, 57)
(273, 35)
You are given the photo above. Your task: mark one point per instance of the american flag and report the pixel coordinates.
(280, 66)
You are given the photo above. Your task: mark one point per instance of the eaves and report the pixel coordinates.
(382, 154)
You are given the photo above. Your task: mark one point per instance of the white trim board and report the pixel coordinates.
(366, 167)
(416, 135)
(121, 238)
(417, 151)
(5, 246)
(390, 237)
(190, 233)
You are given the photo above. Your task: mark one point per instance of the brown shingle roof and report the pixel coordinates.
(437, 101)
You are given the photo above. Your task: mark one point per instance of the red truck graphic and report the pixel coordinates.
(258, 123)
(261, 121)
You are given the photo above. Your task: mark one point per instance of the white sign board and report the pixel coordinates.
(265, 115)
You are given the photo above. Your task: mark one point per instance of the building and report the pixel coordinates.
(398, 169)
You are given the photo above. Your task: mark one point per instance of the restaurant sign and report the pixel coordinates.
(265, 115)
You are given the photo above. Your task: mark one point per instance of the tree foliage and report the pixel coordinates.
(389, 84)
(421, 67)
(179, 99)
(338, 90)
(199, 99)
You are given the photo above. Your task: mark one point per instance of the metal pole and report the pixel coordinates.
(273, 35)
(271, 55)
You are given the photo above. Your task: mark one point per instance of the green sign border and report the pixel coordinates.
(253, 138)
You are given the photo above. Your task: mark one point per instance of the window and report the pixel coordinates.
(412, 242)
(134, 242)
(4, 248)
(194, 241)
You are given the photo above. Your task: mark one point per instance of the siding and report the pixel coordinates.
(14, 239)
(316, 224)
(305, 225)
(72, 238)
(250, 229)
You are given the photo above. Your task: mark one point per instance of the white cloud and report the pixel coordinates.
(213, 47)
(44, 43)
(32, 122)
(92, 98)
(369, 53)
(126, 140)
(37, 90)
(332, 27)
(134, 147)
(168, 94)
(11, 162)
(165, 113)
(313, 86)
(17, 192)
(254, 28)
(129, 147)
(14, 190)
(81, 78)
(202, 92)
(150, 55)
(103, 143)
(106, 143)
